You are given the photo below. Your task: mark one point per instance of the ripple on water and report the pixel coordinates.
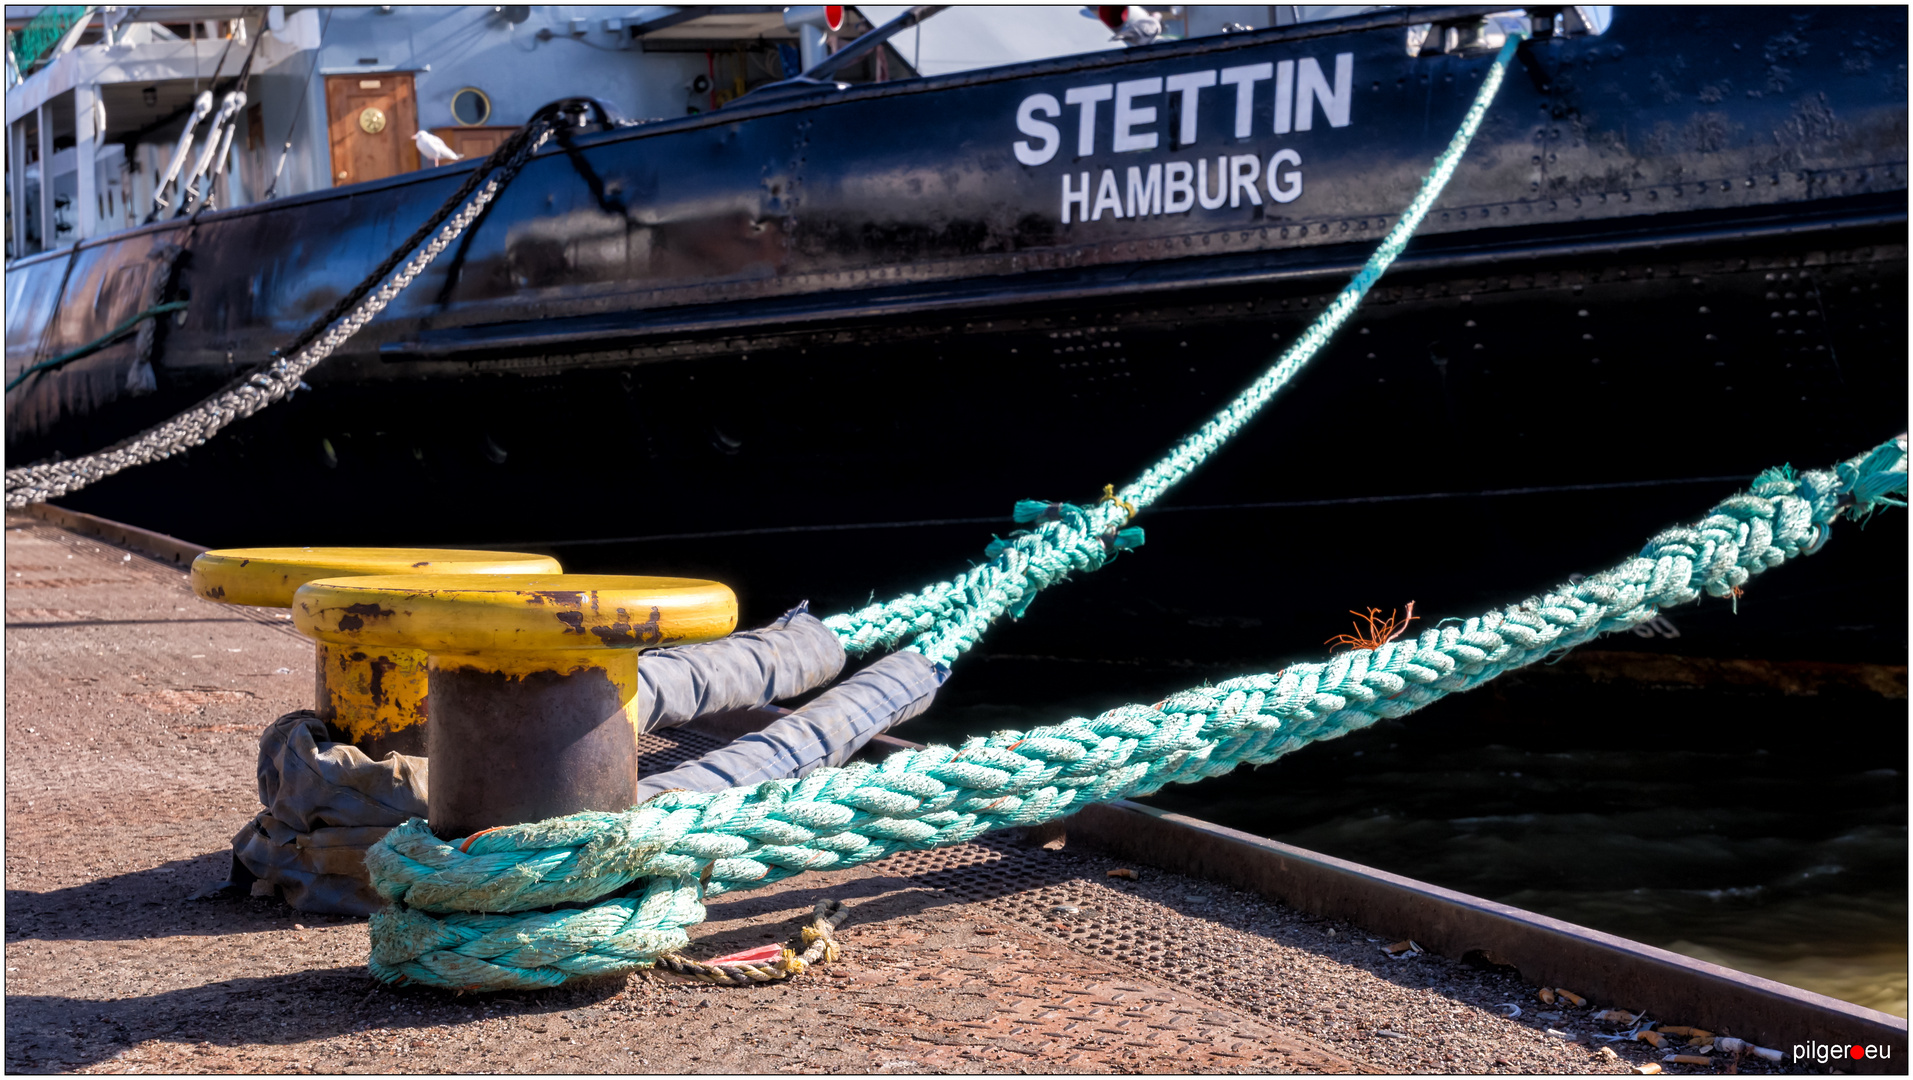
(1684, 832)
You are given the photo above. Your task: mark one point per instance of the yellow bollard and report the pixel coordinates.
(533, 679)
(374, 700)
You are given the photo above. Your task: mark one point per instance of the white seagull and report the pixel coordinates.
(1139, 27)
(431, 146)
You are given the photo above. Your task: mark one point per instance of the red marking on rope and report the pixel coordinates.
(763, 954)
(466, 847)
(1014, 745)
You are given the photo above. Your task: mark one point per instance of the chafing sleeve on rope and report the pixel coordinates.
(836, 818)
(325, 803)
(825, 732)
(946, 619)
(791, 656)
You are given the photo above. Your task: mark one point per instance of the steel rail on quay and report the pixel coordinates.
(1012, 952)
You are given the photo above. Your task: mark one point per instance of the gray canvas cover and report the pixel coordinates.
(326, 802)
(792, 656)
(825, 732)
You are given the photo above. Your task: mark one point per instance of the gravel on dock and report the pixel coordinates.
(133, 711)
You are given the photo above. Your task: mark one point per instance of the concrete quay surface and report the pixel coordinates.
(132, 714)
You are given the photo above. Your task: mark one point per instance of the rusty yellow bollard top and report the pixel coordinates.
(533, 679)
(374, 699)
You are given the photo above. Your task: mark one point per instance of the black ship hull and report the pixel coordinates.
(818, 348)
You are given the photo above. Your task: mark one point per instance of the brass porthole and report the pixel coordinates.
(471, 107)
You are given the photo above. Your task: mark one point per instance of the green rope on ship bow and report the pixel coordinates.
(450, 922)
(91, 347)
(946, 619)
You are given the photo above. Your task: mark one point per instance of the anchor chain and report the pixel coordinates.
(277, 379)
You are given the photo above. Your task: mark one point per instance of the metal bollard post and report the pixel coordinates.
(533, 679)
(373, 699)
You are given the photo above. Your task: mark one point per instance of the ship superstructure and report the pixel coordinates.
(287, 100)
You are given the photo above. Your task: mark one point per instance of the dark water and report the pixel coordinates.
(1762, 832)
(1750, 828)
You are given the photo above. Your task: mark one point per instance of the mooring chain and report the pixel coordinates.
(838, 818)
(275, 381)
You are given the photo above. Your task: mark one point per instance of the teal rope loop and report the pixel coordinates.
(450, 921)
(92, 347)
(946, 619)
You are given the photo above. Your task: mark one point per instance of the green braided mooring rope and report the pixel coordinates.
(649, 860)
(948, 618)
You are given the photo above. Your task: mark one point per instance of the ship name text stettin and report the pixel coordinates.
(1138, 115)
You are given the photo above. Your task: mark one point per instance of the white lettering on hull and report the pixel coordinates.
(1143, 111)
(1028, 124)
(1145, 191)
(1291, 183)
(1174, 187)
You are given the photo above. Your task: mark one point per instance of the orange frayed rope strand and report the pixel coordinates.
(1380, 631)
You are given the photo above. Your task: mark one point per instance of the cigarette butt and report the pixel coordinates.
(1125, 872)
(1617, 1016)
(1687, 1059)
(1648, 1069)
(1572, 998)
(1651, 1038)
(1697, 1041)
(1742, 1046)
(1406, 945)
(1546, 995)
(1686, 1032)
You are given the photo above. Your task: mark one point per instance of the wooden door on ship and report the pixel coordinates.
(474, 142)
(371, 119)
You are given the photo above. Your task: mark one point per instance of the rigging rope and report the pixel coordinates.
(946, 619)
(298, 110)
(451, 922)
